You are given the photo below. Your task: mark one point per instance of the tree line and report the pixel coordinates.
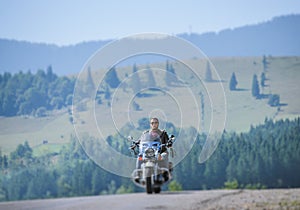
(34, 94)
(268, 156)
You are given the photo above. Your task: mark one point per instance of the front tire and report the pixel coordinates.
(148, 181)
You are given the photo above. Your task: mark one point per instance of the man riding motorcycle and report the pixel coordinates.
(161, 135)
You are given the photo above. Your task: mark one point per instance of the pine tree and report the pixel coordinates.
(263, 79)
(265, 63)
(208, 74)
(135, 81)
(233, 82)
(170, 74)
(255, 87)
(88, 86)
(50, 75)
(150, 78)
(202, 109)
(112, 78)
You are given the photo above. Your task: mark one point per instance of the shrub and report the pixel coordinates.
(274, 100)
(174, 186)
(231, 184)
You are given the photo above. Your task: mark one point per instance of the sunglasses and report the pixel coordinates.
(154, 123)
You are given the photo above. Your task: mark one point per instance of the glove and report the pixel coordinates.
(169, 144)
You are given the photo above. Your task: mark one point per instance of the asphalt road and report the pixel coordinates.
(212, 199)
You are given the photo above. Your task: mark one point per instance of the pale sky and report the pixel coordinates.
(65, 22)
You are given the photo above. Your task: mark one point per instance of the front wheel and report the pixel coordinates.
(148, 180)
(148, 185)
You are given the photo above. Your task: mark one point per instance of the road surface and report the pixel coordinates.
(211, 199)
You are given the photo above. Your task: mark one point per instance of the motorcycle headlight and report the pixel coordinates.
(149, 153)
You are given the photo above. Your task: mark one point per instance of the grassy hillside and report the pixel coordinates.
(242, 109)
(283, 75)
(56, 130)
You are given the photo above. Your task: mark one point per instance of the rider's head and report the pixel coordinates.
(154, 123)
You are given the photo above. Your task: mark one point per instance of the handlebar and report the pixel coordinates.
(136, 143)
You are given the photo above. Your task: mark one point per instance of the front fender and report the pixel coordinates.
(149, 164)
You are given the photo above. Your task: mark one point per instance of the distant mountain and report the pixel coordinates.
(21, 55)
(278, 37)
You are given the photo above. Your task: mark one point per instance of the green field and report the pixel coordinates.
(56, 130)
(242, 109)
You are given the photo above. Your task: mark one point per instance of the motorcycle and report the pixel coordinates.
(153, 167)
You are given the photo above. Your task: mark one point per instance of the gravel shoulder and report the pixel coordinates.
(211, 199)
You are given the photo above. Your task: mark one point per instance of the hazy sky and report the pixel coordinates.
(73, 21)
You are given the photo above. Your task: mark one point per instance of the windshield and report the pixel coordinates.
(149, 140)
(150, 136)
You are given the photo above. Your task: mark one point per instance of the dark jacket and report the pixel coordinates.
(164, 139)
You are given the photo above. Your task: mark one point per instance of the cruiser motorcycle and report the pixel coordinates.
(153, 166)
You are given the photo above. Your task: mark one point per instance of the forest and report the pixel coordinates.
(268, 156)
(34, 94)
